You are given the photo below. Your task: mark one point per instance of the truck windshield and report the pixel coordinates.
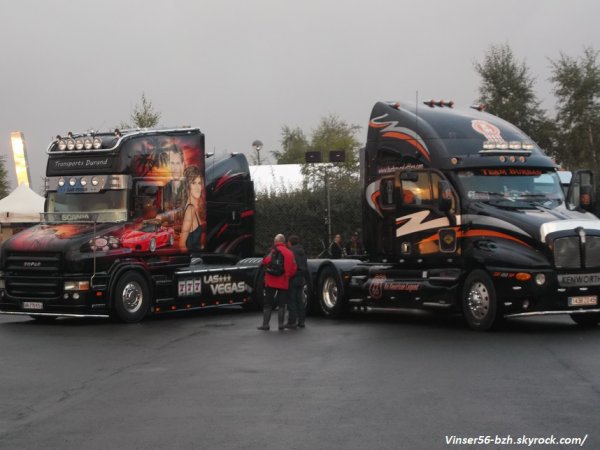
(111, 205)
(513, 187)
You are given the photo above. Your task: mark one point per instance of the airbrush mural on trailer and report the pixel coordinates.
(148, 197)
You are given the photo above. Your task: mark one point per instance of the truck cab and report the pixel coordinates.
(125, 213)
(462, 211)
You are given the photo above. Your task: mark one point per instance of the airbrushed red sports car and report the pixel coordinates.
(148, 238)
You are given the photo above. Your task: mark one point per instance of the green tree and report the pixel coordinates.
(143, 115)
(577, 88)
(4, 184)
(305, 212)
(294, 145)
(507, 91)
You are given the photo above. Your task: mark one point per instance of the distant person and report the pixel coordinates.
(296, 306)
(336, 249)
(174, 189)
(279, 268)
(354, 247)
(192, 229)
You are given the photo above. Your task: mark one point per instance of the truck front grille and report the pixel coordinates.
(567, 252)
(33, 275)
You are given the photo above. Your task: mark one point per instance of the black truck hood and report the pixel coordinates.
(534, 223)
(59, 237)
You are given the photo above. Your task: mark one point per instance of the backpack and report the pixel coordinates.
(276, 265)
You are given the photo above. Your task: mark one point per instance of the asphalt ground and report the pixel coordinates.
(210, 380)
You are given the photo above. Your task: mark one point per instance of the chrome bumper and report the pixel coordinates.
(553, 313)
(33, 313)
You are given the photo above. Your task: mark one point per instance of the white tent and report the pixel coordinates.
(277, 178)
(21, 205)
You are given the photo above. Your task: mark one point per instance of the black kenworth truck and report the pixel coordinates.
(464, 212)
(135, 222)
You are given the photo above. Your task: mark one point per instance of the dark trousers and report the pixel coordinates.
(296, 300)
(272, 298)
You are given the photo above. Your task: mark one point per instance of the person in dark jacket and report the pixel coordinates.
(336, 249)
(296, 306)
(276, 286)
(354, 247)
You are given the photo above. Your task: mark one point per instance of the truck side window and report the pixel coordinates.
(417, 192)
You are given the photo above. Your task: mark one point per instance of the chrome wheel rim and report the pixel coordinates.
(330, 293)
(478, 300)
(133, 297)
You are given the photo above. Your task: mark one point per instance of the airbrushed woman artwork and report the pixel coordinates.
(193, 227)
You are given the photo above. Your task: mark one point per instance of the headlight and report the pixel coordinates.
(97, 143)
(79, 144)
(88, 142)
(77, 285)
(540, 279)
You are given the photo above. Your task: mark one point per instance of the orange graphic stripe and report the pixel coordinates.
(378, 125)
(478, 233)
(411, 140)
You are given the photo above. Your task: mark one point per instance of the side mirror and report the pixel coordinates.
(387, 197)
(445, 196)
(581, 190)
(586, 197)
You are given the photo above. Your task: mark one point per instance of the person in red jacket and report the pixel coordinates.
(277, 279)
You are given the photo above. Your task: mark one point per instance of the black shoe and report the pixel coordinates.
(264, 328)
(301, 325)
(281, 328)
(291, 326)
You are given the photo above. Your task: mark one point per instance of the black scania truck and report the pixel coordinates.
(135, 222)
(464, 212)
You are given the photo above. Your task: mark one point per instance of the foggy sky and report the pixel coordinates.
(241, 69)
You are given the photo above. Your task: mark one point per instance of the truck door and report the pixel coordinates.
(425, 224)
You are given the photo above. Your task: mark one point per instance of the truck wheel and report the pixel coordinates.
(306, 295)
(479, 304)
(152, 244)
(331, 293)
(258, 295)
(586, 320)
(132, 298)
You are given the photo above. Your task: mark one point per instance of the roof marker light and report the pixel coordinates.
(514, 145)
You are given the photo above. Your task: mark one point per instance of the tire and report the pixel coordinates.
(152, 244)
(306, 296)
(479, 302)
(586, 320)
(131, 299)
(258, 294)
(331, 293)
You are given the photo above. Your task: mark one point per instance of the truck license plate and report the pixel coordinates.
(584, 300)
(33, 305)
